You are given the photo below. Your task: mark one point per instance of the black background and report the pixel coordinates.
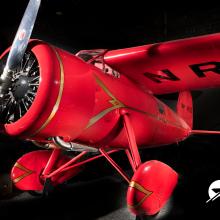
(80, 24)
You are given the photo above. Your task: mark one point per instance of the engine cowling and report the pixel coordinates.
(56, 103)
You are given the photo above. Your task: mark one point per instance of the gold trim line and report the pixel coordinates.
(56, 106)
(97, 117)
(27, 172)
(137, 186)
(138, 204)
(116, 104)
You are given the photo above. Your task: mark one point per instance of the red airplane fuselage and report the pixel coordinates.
(154, 123)
(78, 101)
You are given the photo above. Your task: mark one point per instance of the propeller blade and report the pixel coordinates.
(22, 37)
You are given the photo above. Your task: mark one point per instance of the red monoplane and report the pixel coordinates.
(98, 102)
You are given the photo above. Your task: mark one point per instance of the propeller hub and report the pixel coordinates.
(20, 87)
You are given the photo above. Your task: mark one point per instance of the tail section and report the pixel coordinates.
(185, 107)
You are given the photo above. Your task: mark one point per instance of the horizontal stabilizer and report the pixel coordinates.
(204, 132)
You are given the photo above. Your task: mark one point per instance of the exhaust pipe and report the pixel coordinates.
(70, 146)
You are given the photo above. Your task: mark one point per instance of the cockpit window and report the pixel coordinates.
(88, 55)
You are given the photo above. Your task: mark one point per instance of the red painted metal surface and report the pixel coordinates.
(151, 187)
(51, 161)
(132, 141)
(116, 109)
(79, 164)
(177, 57)
(77, 100)
(114, 164)
(65, 165)
(205, 132)
(26, 173)
(62, 106)
(130, 159)
(151, 126)
(184, 107)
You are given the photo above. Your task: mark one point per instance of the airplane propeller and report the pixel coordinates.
(16, 56)
(22, 37)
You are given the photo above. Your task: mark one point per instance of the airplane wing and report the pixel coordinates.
(167, 67)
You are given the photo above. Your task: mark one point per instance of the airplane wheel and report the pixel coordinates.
(164, 213)
(150, 188)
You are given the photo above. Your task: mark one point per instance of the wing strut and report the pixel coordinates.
(132, 153)
(114, 164)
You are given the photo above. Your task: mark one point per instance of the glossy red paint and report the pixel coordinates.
(49, 167)
(184, 107)
(176, 56)
(131, 140)
(77, 100)
(108, 102)
(26, 173)
(80, 102)
(151, 187)
(152, 127)
(65, 165)
(62, 106)
(32, 169)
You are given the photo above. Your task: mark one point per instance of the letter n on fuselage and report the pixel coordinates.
(167, 75)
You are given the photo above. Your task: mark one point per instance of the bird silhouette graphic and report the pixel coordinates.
(214, 191)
